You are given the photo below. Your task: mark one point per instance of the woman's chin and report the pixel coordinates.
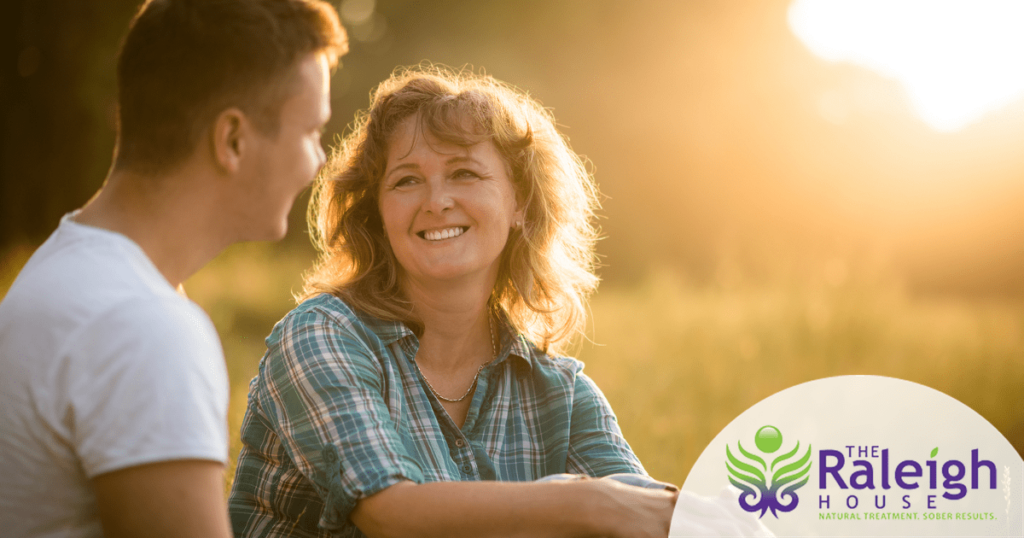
(447, 273)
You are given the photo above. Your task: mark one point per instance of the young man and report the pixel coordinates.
(114, 393)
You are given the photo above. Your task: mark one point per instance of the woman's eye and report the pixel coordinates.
(407, 180)
(463, 173)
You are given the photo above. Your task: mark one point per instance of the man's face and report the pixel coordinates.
(279, 167)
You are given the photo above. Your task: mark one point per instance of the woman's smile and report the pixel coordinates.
(443, 233)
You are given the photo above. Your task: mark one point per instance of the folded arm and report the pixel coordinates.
(484, 509)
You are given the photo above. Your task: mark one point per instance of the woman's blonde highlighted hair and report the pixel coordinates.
(546, 271)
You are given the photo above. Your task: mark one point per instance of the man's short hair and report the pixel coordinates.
(185, 61)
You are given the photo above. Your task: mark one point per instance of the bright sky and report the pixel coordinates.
(957, 59)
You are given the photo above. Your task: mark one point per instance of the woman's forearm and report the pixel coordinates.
(483, 509)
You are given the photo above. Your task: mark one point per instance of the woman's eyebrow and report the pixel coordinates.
(414, 166)
(462, 159)
(402, 166)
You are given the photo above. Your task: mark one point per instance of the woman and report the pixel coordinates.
(417, 390)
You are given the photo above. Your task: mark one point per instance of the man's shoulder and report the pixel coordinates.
(86, 290)
(169, 320)
(80, 269)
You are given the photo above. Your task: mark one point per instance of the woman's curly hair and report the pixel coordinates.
(546, 271)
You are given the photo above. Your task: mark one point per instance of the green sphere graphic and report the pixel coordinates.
(768, 439)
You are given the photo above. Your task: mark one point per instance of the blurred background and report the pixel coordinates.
(792, 189)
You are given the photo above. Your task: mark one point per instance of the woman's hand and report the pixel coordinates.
(618, 510)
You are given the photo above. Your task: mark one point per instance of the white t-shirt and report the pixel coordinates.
(103, 365)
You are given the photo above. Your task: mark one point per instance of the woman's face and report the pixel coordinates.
(447, 209)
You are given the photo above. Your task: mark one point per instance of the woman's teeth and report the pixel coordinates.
(447, 233)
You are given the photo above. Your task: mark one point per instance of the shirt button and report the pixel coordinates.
(467, 468)
(460, 443)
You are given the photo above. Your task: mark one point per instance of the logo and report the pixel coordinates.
(768, 486)
(889, 458)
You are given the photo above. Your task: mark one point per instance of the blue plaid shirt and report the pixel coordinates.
(339, 411)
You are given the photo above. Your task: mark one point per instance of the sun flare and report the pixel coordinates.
(957, 60)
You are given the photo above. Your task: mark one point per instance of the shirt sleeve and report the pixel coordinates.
(596, 445)
(148, 384)
(322, 391)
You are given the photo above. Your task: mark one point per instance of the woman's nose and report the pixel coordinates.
(439, 197)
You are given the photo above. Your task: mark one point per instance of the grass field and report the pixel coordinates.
(679, 361)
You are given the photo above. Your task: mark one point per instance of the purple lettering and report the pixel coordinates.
(864, 478)
(885, 468)
(824, 469)
(953, 480)
(976, 465)
(901, 473)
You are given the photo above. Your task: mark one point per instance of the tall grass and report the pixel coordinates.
(678, 360)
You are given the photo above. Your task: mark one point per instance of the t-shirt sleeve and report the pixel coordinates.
(322, 389)
(149, 384)
(596, 444)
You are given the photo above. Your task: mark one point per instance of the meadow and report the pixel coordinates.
(678, 360)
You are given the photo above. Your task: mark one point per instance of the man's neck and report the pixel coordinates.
(174, 223)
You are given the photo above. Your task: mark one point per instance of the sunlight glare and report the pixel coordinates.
(958, 60)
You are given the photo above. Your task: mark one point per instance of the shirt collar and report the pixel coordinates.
(520, 348)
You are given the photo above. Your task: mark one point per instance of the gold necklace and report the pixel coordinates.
(494, 357)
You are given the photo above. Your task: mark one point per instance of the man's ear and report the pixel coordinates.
(229, 134)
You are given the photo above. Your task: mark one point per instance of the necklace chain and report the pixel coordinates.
(494, 357)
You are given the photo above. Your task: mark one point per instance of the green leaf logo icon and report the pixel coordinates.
(768, 486)
(934, 452)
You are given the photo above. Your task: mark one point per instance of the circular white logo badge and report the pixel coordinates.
(857, 456)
